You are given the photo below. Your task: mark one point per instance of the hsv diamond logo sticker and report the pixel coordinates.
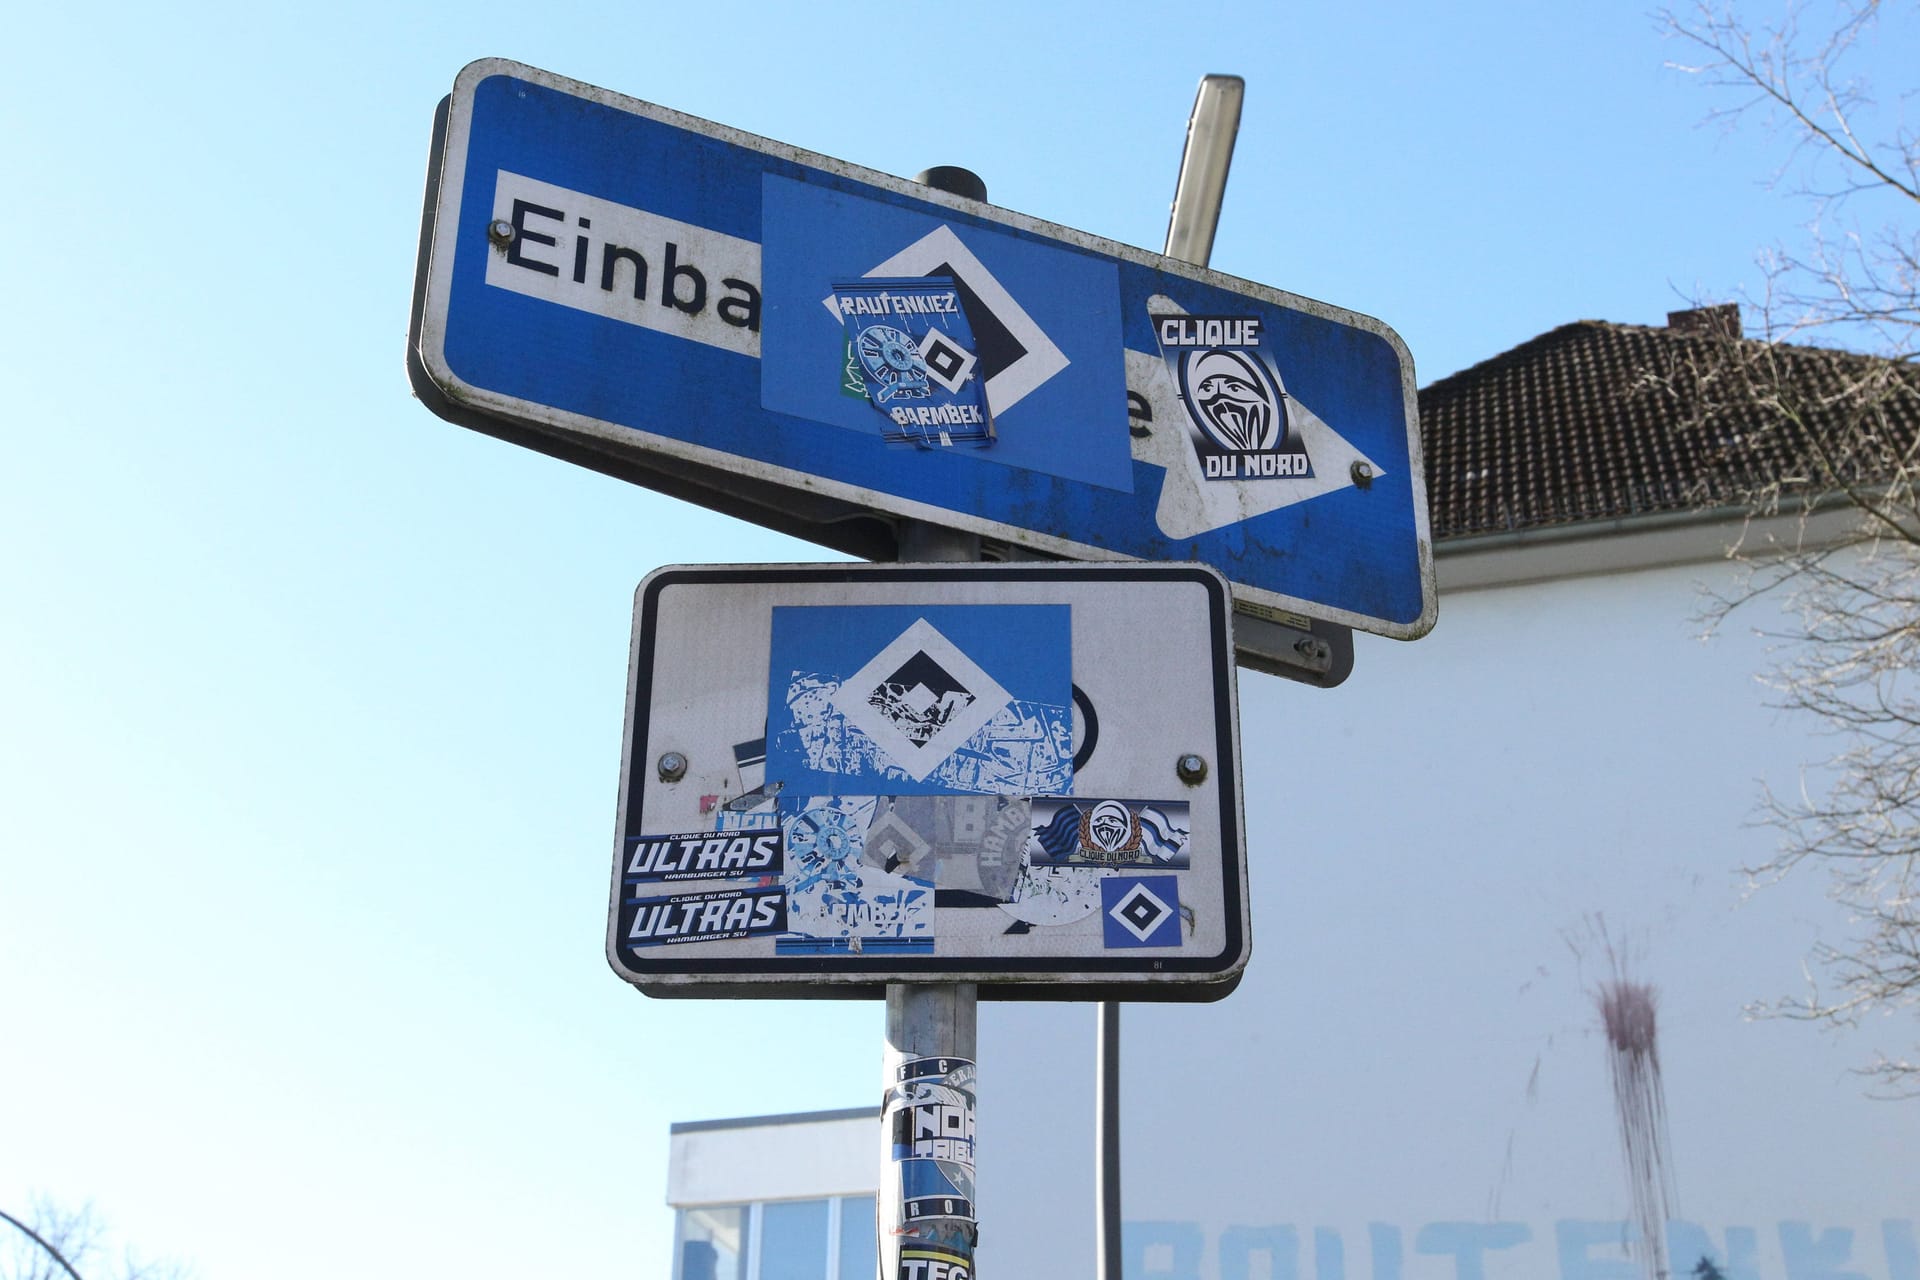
(1020, 355)
(912, 700)
(920, 699)
(1140, 911)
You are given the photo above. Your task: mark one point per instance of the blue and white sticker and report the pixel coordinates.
(842, 897)
(928, 1114)
(705, 917)
(703, 855)
(912, 353)
(1046, 326)
(1238, 412)
(1110, 833)
(1140, 911)
(921, 700)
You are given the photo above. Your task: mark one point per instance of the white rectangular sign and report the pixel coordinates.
(1021, 775)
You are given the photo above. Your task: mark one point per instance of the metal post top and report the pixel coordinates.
(954, 180)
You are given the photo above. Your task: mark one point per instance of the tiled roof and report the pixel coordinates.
(1575, 425)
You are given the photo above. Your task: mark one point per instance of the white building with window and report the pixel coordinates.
(775, 1197)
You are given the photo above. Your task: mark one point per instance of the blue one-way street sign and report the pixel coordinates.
(813, 344)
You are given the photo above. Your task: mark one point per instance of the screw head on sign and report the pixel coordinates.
(1191, 768)
(672, 767)
(500, 231)
(1362, 473)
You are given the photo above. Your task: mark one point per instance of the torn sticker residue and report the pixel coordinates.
(838, 899)
(1054, 895)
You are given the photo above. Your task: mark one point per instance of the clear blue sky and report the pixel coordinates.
(310, 703)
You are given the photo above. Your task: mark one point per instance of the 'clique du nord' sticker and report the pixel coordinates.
(1235, 401)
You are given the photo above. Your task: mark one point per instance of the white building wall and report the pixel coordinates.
(1411, 1083)
(773, 1158)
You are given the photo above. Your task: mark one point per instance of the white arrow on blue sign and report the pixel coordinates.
(617, 280)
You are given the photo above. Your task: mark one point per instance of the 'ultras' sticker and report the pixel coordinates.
(704, 855)
(911, 353)
(707, 917)
(1235, 401)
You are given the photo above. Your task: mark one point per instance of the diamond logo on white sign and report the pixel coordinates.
(920, 699)
(1140, 912)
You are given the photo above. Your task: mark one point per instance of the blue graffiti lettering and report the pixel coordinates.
(1688, 1243)
(1585, 1249)
(1469, 1241)
(1388, 1254)
(1329, 1255)
(1822, 1258)
(1171, 1249)
(1574, 1237)
(1903, 1255)
(1280, 1244)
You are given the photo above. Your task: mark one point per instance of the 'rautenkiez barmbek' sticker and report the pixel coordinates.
(911, 353)
(1235, 399)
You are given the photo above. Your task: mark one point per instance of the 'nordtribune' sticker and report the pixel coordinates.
(704, 855)
(913, 357)
(1236, 404)
(707, 917)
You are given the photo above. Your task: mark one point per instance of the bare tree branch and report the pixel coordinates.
(53, 1243)
(1809, 434)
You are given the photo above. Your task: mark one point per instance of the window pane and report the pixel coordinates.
(857, 1239)
(713, 1244)
(793, 1240)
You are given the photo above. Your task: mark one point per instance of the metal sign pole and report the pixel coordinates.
(1195, 215)
(928, 1063)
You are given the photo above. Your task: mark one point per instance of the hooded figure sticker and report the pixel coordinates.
(1236, 403)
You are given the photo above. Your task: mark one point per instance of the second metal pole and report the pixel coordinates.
(1197, 194)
